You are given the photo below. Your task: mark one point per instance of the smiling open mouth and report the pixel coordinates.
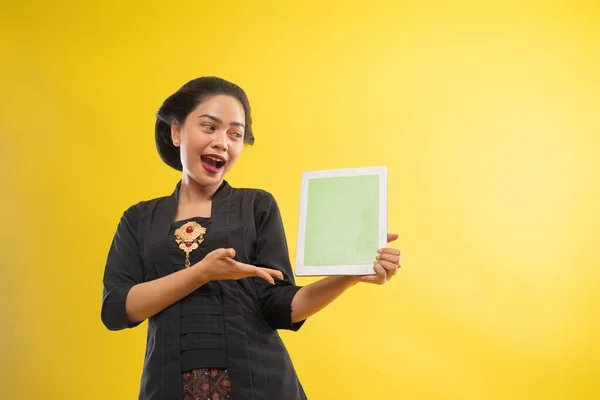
(212, 164)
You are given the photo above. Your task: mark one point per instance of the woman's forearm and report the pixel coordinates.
(314, 297)
(147, 299)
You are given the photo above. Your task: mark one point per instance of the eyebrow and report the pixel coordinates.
(220, 121)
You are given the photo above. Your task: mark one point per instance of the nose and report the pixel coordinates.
(219, 141)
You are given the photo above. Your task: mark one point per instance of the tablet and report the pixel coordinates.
(342, 221)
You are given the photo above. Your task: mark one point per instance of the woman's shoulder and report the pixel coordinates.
(262, 202)
(253, 192)
(142, 208)
(260, 198)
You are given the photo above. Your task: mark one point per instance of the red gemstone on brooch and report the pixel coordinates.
(188, 244)
(189, 229)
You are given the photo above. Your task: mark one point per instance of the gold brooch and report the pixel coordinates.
(189, 236)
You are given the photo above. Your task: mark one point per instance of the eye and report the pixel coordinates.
(209, 127)
(237, 135)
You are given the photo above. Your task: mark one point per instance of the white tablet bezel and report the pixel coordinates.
(326, 270)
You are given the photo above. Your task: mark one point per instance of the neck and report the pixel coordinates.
(191, 191)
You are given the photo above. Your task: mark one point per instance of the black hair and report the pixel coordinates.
(181, 103)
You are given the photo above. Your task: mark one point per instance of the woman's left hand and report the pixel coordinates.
(386, 264)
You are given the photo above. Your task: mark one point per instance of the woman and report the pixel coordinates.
(209, 267)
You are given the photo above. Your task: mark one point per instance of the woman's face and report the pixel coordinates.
(211, 139)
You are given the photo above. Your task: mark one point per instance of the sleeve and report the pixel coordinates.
(272, 252)
(123, 270)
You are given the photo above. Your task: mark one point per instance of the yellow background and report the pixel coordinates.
(487, 114)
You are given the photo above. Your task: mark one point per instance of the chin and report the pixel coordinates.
(202, 178)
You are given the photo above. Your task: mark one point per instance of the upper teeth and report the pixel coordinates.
(214, 158)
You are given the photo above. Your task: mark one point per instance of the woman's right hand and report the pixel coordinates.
(219, 265)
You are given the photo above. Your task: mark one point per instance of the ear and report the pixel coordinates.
(176, 133)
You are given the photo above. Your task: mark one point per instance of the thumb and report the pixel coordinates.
(391, 237)
(223, 253)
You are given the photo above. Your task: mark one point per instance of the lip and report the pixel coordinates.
(209, 168)
(215, 156)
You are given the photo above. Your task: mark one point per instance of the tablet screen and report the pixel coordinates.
(343, 218)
